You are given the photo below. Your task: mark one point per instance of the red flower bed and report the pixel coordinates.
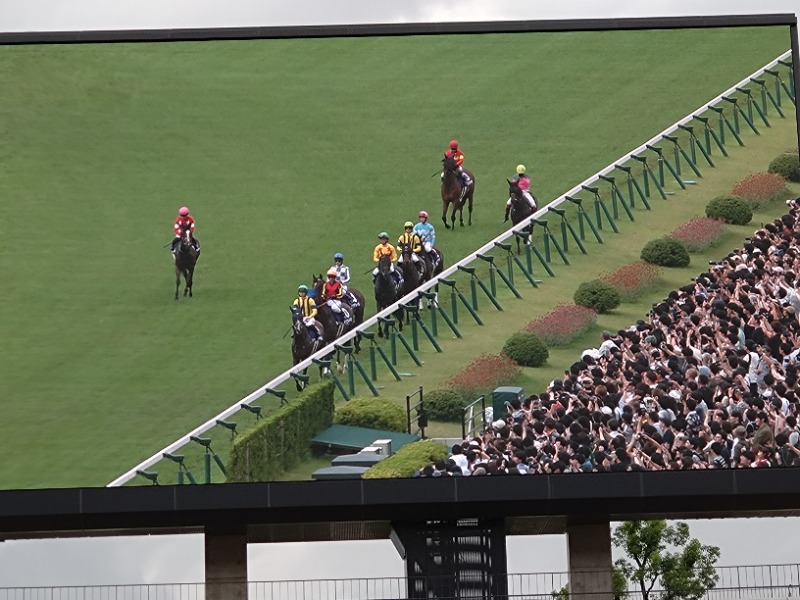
(700, 233)
(634, 279)
(484, 374)
(760, 188)
(562, 324)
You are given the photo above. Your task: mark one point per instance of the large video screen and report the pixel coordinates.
(277, 155)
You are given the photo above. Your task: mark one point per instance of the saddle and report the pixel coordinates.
(350, 299)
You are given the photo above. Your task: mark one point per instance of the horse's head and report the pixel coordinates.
(384, 264)
(449, 164)
(317, 282)
(515, 193)
(297, 319)
(186, 236)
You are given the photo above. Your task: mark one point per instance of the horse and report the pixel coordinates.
(302, 344)
(412, 277)
(185, 260)
(432, 271)
(386, 292)
(521, 209)
(317, 281)
(334, 329)
(453, 192)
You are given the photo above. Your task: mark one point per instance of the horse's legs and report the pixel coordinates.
(469, 206)
(177, 281)
(444, 213)
(189, 277)
(461, 214)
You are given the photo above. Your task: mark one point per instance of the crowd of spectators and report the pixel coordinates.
(708, 381)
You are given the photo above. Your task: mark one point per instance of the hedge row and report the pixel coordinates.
(281, 441)
(409, 459)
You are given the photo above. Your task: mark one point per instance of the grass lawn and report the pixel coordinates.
(286, 151)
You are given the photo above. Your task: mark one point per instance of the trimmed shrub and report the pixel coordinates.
(408, 460)
(699, 233)
(731, 209)
(562, 324)
(632, 280)
(444, 404)
(665, 252)
(597, 295)
(526, 349)
(281, 440)
(483, 374)
(786, 165)
(761, 188)
(373, 413)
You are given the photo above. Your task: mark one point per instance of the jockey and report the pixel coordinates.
(184, 221)
(308, 310)
(409, 239)
(458, 155)
(342, 271)
(427, 235)
(332, 293)
(385, 249)
(524, 183)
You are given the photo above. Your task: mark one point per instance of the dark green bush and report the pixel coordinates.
(786, 165)
(731, 209)
(408, 459)
(666, 252)
(373, 413)
(597, 295)
(526, 349)
(444, 404)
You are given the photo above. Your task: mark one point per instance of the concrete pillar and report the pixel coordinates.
(590, 562)
(226, 566)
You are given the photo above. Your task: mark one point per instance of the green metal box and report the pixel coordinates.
(502, 395)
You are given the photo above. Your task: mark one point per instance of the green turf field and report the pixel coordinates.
(286, 151)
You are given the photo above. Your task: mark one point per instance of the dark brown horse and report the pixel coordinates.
(302, 344)
(333, 329)
(386, 293)
(454, 193)
(185, 260)
(521, 209)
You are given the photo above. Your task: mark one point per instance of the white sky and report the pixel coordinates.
(180, 558)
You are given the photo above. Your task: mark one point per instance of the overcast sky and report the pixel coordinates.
(180, 558)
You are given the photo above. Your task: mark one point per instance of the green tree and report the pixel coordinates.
(665, 554)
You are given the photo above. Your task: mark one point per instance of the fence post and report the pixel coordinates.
(647, 173)
(456, 293)
(679, 149)
(711, 134)
(583, 217)
(723, 121)
(633, 183)
(508, 280)
(375, 347)
(442, 313)
(527, 271)
(753, 104)
(549, 235)
(737, 110)
(696, 144)
(664, 162)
